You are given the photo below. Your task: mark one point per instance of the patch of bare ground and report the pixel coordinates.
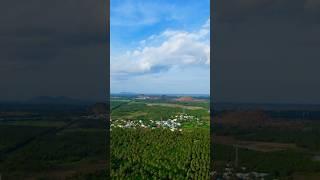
(188, 99)
(254, 119)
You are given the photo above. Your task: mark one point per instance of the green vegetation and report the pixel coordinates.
(53, 146)
(159, 154)
(282, 148)
(140, 110)
(277, 163)
(11, 135)
(159, 139)
(306, 136)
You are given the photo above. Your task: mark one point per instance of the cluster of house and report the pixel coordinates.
(144, 97)
(174, 123)
(239, 173)
(127, 124)
(252, 175)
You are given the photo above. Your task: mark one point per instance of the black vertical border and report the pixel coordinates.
(212, 37)
(108, 157)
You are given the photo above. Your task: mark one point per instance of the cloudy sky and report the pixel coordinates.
(53, 48)
(160, 46)
(267, 51)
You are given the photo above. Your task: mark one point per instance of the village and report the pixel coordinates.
(174, 123)
(231, 172)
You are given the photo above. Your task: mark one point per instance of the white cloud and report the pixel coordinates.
(171, 48)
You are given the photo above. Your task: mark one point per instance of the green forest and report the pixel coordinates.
(160, 154)
(52, 147)
(156, 152)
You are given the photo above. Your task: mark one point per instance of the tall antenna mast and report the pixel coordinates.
(236, 161)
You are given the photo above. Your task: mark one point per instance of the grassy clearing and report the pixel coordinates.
(175, 105)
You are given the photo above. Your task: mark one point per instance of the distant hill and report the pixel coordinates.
(124, 94)
(127, 93)
(185, 99)
(188, 99)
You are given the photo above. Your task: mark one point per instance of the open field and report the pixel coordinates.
(146, 111)
(278, 146)
(52, 146)
(160, 139)
(175, 106)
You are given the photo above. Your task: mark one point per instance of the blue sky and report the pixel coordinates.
(160, 46)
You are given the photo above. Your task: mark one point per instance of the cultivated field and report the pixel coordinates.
(52, 145)
(274, 144)
(160, 139)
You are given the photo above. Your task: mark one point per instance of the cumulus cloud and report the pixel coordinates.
(158, 53)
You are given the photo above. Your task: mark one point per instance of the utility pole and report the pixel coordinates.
(236, 161)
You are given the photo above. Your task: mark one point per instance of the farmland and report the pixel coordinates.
(159, 138)
(273, 143)
(47, 144)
